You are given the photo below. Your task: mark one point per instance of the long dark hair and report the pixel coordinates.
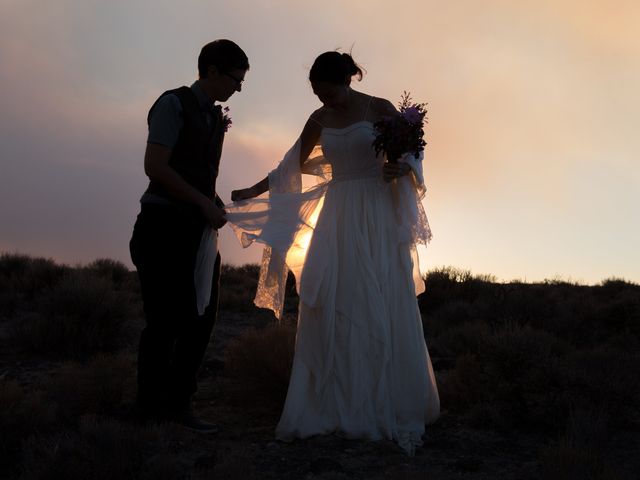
(335, 67)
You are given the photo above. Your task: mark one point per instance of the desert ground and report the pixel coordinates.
(537, 381)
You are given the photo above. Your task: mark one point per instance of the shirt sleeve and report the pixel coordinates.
(165, 121)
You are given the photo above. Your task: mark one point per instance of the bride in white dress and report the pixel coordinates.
(361, 367)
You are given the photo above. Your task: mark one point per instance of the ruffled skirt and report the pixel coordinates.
(361, 367)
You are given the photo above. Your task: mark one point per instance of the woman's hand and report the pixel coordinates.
(391, 171)
(243, 194)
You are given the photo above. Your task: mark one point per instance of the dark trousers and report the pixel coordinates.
(163, 248)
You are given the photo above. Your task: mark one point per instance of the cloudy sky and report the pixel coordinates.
(533, 162)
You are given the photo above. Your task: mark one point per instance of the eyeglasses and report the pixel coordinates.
(234, 78)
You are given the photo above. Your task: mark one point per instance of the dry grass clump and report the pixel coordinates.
(22, 414)
(79, 316)
(604, 378)
(448, 283)
(459, 340)
(28, 274)
(63, 312)
(231, 464)
(582, 451)
(104, 385)
(520, 377)
(103, 449)
(498, 384)
(260, 359)
(114, 272)
(23, 278)
(263, 354)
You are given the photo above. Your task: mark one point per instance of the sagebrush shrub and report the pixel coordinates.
(582, 451)
(261, 359)
(22, 414)
(104, 385)
(78, 317)
(103, 449)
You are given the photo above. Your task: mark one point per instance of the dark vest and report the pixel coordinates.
(196, 154)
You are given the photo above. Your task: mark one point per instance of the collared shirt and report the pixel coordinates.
(165, 121)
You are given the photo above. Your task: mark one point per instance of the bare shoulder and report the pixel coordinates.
(313, 128)
(383, 107)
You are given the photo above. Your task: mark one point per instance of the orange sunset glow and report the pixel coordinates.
(532, 164)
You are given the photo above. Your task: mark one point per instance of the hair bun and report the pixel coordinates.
(351, 64)
(334, 67)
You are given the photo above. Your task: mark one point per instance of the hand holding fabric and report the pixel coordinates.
(214, 214)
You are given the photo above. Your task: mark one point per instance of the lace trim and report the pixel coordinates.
(421, 231)
(271, 283)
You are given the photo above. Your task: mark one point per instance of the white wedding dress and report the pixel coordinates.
(361, 367)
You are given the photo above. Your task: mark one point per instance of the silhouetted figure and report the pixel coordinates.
(361, 366)
(186, 132)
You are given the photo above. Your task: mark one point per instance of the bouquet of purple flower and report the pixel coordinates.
(399, 134)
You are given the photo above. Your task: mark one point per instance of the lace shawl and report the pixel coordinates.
(284, 221)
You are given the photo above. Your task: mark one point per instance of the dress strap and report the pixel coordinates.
(367, 109)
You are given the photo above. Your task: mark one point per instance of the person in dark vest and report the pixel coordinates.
(186, 132)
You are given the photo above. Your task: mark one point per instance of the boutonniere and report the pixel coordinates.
(226, 119)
